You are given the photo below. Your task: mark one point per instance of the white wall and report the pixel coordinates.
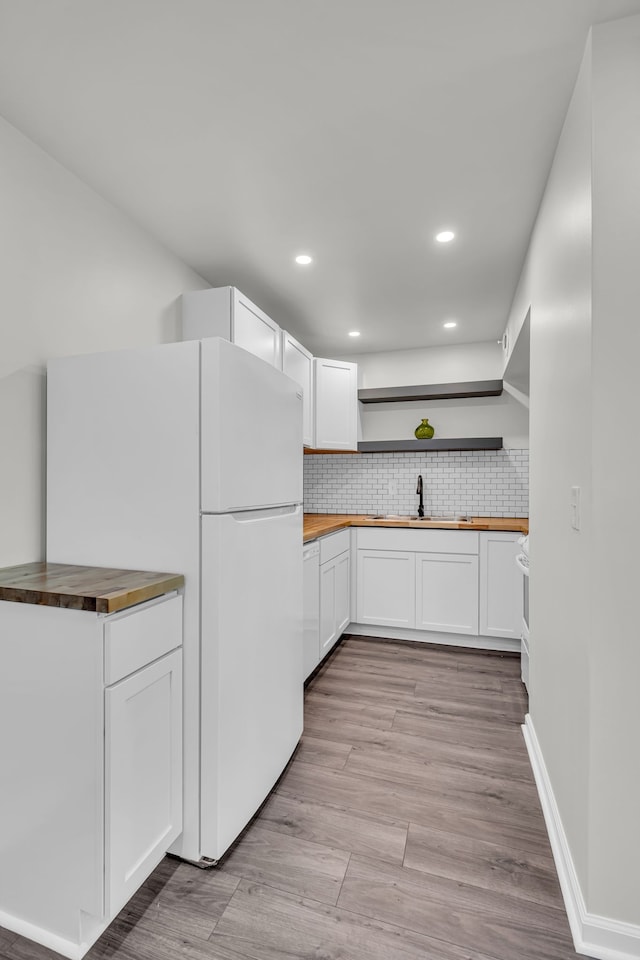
(582, 280)
(614, 868)
(559, 272)
(487, 417)
(76, 276)
(449, 364)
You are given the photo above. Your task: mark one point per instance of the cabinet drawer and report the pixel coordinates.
(421, 541)
(333, 545)
(140, 637)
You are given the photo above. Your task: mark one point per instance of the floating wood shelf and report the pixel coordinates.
(432, 391)
(415, 446)
(310, 450)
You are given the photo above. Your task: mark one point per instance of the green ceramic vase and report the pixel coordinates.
(424, 430)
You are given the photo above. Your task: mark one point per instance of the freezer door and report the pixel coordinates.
(251, 711)
(251, 438)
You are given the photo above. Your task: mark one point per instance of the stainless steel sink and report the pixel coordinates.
(460, 518)
(413, 516)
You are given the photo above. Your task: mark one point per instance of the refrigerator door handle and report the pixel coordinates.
(248, 516)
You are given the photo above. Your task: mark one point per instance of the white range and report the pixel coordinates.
(188, 457)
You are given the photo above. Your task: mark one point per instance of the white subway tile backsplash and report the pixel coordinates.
(492, 483)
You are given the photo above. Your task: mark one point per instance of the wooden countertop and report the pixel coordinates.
(320, 524)
(96, 589)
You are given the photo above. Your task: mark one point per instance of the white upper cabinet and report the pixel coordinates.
(226, 312)
(336, 405)
(297, 363)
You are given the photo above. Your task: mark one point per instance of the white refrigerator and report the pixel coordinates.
(187, 457)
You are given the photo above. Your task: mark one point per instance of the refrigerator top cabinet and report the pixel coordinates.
(251, 432)
(226, 312)
(297, 363)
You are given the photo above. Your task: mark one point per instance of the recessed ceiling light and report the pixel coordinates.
(449, 324)
(354, 333)
(304, 259)
(445, 236)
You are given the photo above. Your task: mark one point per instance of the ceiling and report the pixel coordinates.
(243, 132)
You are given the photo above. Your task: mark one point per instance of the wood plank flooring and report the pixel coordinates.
(407, 827)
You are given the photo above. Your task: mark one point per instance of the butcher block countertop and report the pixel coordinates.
(319, 524)
(95, 589)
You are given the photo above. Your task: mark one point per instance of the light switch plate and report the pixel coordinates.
(575, 508)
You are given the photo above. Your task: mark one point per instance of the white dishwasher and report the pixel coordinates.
(311, 608)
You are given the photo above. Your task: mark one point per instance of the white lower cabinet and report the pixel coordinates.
(335, 588)
(461, 582)
(334, 600)
(385, 588)
(92, 770)
(500, 585)
(447, 592)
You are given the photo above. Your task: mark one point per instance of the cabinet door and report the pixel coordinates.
(447, 592)
(143, 775)
(500, 585)
(328, 625)
(385, 588)
(254, 331)
(297, 363)
(343, 592)
(336, 405)
(335, 591)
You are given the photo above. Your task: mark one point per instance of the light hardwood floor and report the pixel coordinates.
(407, 827)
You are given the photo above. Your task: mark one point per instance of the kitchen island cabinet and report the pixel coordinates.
(92, 770)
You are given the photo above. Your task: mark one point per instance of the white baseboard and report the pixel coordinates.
(502, 644)
(68, 948)
(593, 936)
